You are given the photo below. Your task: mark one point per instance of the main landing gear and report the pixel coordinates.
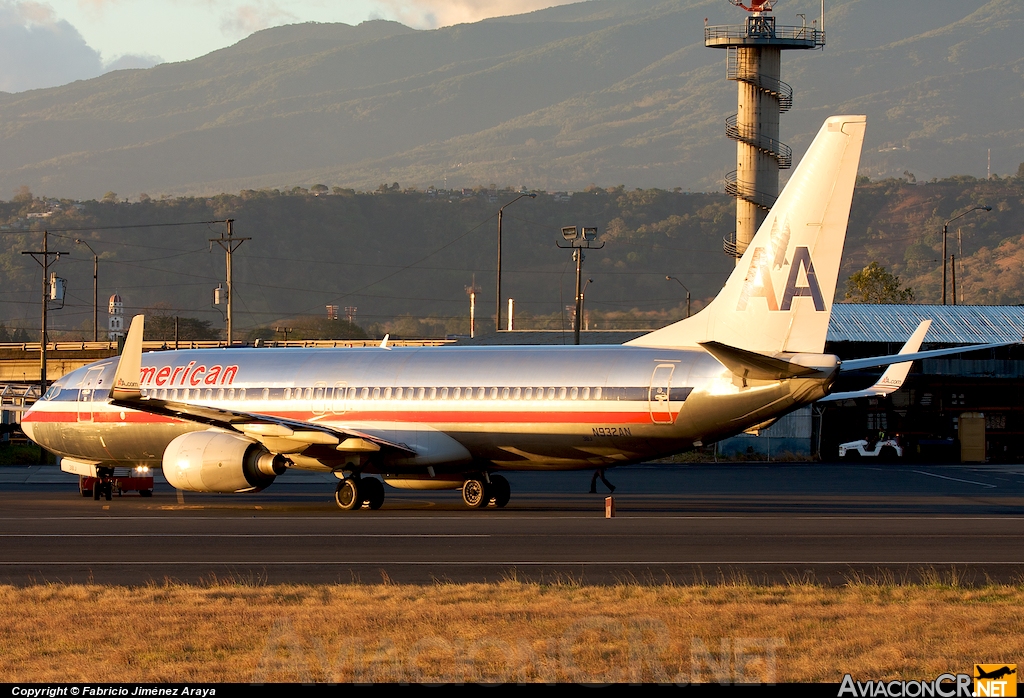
(353, 493)
(478, 492)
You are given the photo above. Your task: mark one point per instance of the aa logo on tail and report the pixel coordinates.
(758, 282)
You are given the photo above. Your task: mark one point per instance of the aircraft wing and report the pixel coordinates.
(292, 434)
(894, 376)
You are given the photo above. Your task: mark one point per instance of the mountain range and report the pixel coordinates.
(611, 92)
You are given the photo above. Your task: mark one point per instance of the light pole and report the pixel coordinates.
(579, 320)
(945, 227)
(672, 278)
(95, 290)
(501, 212)
(579, 241)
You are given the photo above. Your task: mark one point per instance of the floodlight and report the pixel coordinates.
(570, 233)
(589, 233)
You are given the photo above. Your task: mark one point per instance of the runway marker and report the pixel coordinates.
(954, 479)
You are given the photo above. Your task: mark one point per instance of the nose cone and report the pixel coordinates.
(28, 426)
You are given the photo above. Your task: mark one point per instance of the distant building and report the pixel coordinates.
(115, 318)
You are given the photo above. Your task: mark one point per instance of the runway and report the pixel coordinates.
(673, 523)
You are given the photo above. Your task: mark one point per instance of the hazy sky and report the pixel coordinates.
(53, 42)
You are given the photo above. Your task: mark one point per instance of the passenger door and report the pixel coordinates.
(660, 394)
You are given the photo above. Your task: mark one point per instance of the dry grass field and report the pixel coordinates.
(510, 631)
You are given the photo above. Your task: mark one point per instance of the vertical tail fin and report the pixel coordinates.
(779, 297)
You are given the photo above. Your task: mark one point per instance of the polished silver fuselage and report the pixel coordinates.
(515, 408)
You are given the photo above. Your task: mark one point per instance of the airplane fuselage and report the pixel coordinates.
(493, 408)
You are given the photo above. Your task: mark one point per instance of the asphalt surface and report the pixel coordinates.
(678, 523)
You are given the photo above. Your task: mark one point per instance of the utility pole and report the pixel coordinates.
(42, 257)
(579, 242)
(95, 290)
(229, 244)
(945, 228)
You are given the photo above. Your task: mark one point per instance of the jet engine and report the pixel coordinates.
(215, 461)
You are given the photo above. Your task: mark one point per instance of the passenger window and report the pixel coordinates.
(220, 393)
(504, 393)
(494, 393)
(597, 393)
(387, 393)
(364, 393)
(527, 393)
(287, 393)
(516, 393)
(586, 394)
(209, 393)
(551, 393)
(319, 393)
(241, 393)
(266, 393)
(433, 393)
(573, 393)
(309, 393)
(480, 392)
(376, 393)
(421, 393)
(444, 393)
(561, 393)
(351, 393)
(456, 393)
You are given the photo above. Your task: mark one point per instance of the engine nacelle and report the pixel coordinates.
(214, 461)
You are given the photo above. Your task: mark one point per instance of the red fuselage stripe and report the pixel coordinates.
(525, 417)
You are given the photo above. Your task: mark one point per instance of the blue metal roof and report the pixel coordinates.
(951, 324)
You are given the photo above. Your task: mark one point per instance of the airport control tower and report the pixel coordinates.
(754, 61)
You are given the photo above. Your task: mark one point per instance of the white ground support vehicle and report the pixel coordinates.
(884, 450)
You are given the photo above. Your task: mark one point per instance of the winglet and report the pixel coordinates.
(129, 366)
(895, 375)
(384, 342)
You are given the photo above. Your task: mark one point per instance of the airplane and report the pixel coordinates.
(232, 420)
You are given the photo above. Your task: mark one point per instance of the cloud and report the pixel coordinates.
(251, 17)
(39, 50)
(430, 14)
(132, 60)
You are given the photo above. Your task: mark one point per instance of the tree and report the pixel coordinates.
(875, 284)
(1020, 171)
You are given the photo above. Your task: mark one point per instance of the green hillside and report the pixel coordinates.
(405, 258)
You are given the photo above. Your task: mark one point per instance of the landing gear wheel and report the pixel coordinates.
(501, 491)
(97, 490)
(347, 495)
(372, 491)
(475, 494)
(86, 492)
(108, 491)
(145, 493)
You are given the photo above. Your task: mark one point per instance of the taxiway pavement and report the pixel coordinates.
(680, 523)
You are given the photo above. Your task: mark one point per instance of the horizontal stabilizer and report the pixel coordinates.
(748, 364)
(872, 362)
